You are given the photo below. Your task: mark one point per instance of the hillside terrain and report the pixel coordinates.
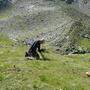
(49, 19)
(66, 31)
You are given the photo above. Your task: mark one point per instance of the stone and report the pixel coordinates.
(88, 73)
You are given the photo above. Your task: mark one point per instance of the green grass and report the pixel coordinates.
(4, 41)
(5, 13)
(85, 43)
(57, 72)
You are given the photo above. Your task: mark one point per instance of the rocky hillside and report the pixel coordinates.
(60, 24)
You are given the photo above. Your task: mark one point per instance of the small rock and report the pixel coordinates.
(88, 74)
(58, 49)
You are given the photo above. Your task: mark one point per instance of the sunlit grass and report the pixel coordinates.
(85, 43)
(55, 73)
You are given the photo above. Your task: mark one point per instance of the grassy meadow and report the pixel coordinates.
(56, 72)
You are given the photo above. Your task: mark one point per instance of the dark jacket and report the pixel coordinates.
(35, 46)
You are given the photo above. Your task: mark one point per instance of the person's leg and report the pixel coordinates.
(36, 55)
(26, 54)
(42, 56)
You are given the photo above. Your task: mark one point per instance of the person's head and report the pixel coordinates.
(42, 40)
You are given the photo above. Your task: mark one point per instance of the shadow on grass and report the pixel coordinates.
(46, 59)
(43, 59)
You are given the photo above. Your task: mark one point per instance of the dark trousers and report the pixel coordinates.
(35, 54)
(32, 54)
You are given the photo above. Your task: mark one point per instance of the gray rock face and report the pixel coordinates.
(31, 16)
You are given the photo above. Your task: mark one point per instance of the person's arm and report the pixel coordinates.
(39, 49)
